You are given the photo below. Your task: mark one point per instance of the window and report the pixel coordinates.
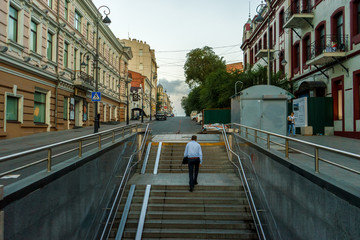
(140, 52)
(85, 111)
(12, 108)
(65, 110)
(75, 58)
(39, 107)
(271, 38)
(104, 76)
(104, 49)
(306, 45)
(50, 3)
(281, 21)
(320, 43)
(251, 57)
(358, 17)
(33, 36)
(295, 6)
(307, 6)
(281, 58)
(66, 54)
(49, 46)
(141, 67)
(13, 24)
(337, 28)
(296, 57)
(66, 10)
(77, 21)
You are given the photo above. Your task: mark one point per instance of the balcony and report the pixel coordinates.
(333, 48)
(299, 14)
(84, 81)
(263, 53)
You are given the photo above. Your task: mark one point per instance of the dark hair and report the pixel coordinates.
(193, 137)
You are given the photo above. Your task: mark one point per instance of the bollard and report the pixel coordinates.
(287, 148)
(80, 148)
(49, 160)
(317, 160)
(1, 214)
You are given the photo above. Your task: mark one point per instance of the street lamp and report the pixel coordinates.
(259, 18)
(106, 21)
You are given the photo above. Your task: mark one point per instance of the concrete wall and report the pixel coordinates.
(296, 204)
(70, 203)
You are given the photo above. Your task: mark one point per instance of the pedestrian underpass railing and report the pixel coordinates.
(134, 159)
(270, 137)
(248, 194)
(79, 145)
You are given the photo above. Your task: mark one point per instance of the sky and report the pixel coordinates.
(174, 27)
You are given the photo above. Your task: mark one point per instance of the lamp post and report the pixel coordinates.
(106, 21)
(259, 11)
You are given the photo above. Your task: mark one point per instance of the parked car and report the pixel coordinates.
(160, 116)
(193, 115)
(199, 118)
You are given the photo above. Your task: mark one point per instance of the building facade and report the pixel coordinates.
(315, 43)
(47, 67)
(144, 62)
(164, 98)
(140, 95)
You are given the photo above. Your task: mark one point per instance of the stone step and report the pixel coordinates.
(199, 233)
(185, 224)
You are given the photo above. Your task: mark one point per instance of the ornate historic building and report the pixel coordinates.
(47, 67)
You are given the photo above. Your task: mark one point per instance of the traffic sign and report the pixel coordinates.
(96, 96)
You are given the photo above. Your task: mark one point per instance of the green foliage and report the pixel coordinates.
(201, 62)
(212, 86)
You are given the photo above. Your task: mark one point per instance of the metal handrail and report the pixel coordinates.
(245, 183)
(51, 146)
(317, 147)
(119, 194)
(296, 8)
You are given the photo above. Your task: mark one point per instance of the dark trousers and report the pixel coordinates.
(193, 162)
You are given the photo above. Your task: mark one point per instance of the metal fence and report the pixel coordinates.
(329, 44)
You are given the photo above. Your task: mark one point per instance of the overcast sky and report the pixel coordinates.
(174, 27)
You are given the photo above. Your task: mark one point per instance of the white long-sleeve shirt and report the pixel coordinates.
(192, 150)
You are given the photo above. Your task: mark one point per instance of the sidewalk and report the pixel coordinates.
(14, 145)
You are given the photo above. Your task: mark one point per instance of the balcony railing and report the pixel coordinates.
(298, 12)
(84, 80)
(324, 51)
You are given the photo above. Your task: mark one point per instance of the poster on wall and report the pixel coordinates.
(72, 108)
(300, 112)
(85, 111)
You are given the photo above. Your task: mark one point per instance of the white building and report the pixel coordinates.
(319, 40)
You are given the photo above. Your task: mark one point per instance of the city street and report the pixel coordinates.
(175, 125)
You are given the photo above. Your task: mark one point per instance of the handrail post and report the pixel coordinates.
(80, 148)
(2, 214)
(246, 133)
(123, 133)
(317, 159)
(49, 160)
(255, 136)
(287, 148)
(268, 141)
(99, 141)
(113, 136)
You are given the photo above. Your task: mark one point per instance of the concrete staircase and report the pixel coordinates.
(212, 211)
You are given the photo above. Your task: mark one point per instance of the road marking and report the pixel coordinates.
(10, 176)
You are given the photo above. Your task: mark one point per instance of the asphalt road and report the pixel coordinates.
(175, 125)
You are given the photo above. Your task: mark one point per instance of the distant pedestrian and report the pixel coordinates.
(194, 154)
(291, 123)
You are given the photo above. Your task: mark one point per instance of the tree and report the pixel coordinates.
(199, 64)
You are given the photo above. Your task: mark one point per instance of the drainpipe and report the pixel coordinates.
(122, 52)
